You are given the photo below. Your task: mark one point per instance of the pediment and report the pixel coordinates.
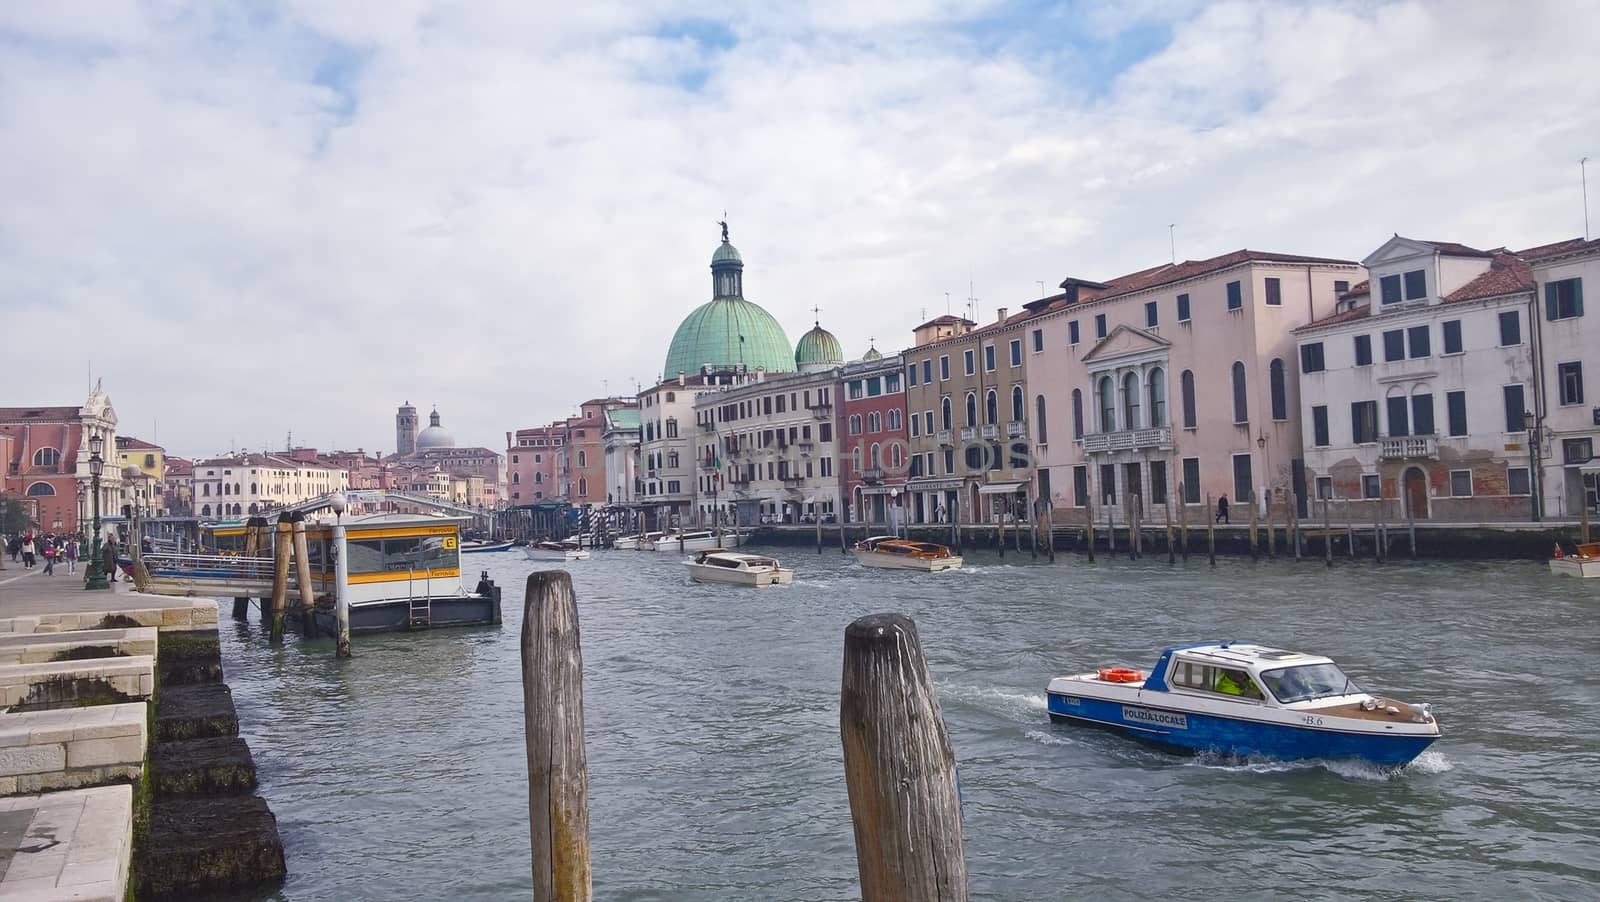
(1125, 341)
(1398, 248)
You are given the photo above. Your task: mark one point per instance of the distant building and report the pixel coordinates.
(177, 487)
(249, 484)
(47, 460)
(531, 455)
(434, 448)
(581, 465)
(766, 449)
(874, 448)
(150, 459)
(621, 434)
(405, 429)
(1569, 352)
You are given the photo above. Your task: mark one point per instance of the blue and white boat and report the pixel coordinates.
(1248, 701)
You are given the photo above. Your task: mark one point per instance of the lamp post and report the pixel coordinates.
(1531, 423)
(95, 577)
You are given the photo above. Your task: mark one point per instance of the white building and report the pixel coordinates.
(767, 449)
(621, 436)
(247, 484)
(1568, 352)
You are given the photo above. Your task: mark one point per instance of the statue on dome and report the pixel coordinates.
(724, 224)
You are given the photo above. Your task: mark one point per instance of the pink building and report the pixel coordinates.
(874, 454)
(47, 460)
(531, 463)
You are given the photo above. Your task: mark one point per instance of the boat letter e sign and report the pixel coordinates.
(1170, 719)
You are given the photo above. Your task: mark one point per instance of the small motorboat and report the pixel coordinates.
(718, 565)
(1583, 564)
(481, 547)
(555, 551)
(1248, 701)
(643, 540)
(895, 553)
(698, 540)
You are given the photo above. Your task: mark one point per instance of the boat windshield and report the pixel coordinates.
(1308, 682)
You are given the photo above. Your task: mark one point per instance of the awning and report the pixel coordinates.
(1001, 488)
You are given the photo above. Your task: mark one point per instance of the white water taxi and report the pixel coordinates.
(716, 565)
(636, 542)
(555, 551)
(1247, 700)
(1584, 564)
(697, 540)
(895, 553)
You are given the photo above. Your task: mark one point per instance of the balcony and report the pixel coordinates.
(791, 477)
(872, 475)
(708, 427)
(805, 447)
(822, 410)
(1128, 440)
(1016, 430)
(991, 431)
(1409, 448)
(708, 464)
(968, 433)
(943, 437)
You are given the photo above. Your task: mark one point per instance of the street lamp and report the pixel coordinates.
(83, 492)
(95, 577)
(1531, 423)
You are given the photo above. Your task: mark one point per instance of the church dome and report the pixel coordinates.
(818, 350)
(728, 331)
(872, 353)
(435, 435)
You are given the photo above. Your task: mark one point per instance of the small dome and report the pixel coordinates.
(726, 253)
(435, 435)
(872, 354)
(818, 350)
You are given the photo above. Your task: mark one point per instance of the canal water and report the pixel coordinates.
(716, 771)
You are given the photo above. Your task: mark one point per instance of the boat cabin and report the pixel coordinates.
(731, 560)
(1250, 673)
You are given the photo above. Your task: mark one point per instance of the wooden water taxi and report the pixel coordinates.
(718, 565)
(895, 553)
(484, 547)
(1585, 563)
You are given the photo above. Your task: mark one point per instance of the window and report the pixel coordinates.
(1191, 480)
(1152, 317)
(1186, 389)
(1158, 482)
(1452, 336)
(1077, 414)
(1158, 397)
(1041, 432)
(1099, 325)
(1569, 377)
(1108, 405)
(1422, 414)
(988, 359)
(915, 421)
(969, 361)
(1455, 404)
(1080, 486)
(1510, 328)
(1016, 352)
(1514, 409)
(1416, 285)
(991, 407)
(891, 383)
(927, 372)
(1340, 286)
(944, 368)
(1324, 486)
(1130, 402)
(583, 459)
(1274, 293)
(1363, 350)
(1038, 340)
(1108, 484)
(1364, 422)
(46, 457)
(1242, 482)
(1461, 483)
(1183, 308)
(972, 409)
(874, 389)
(1319, 426)
(944, 414)
(1241, 406)
(911, 375)
(927, 424)
(1072, 332)
(1017, 404)
(894, 422)
(1577, 450)
(1371, 485)
(1417, 337)
(1563, 299)
(1399, 422)
(1390, 289)
(854, 424)
(1311, 358)
(1235, 296)
(1394, 345)
(40, 490)
(1517, 482)
(1278, 389)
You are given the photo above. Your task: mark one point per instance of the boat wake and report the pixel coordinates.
(1047, 738)
(1022, 706)
(1429, 762)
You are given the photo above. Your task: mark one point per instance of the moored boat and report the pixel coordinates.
(895, 553)
(718, 565)
(481, 547)
(555, 551)
(636, 542)
(1584, 564)
(1248, 701)
(696, 540)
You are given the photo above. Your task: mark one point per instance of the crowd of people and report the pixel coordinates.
(47, 549)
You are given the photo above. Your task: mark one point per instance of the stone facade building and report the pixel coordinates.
(874, 448)
(531, 456)
(766, 450)
(47, 460)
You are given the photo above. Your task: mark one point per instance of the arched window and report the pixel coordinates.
(46, 457)
(205, 510)
(252, 488)
(1186, 388)
(516, 478)
(1280, 392)
(1158, 397)
(237, 510)
(583, 459)
(225, 488)
(874, 422)
(855, 424)
(1040, 433)
(991, 407)
(972, 409)
(944, 411)
(583, 485)
(1077, 414)
(538, 479)
(205, 489)
(1241, 403)
(1017, 404)
(236, 491)
(894, 419)
(876, 460)
(41, 490)
(1130, 401)
(1108, 405)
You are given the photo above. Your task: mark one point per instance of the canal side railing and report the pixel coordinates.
(900, 767)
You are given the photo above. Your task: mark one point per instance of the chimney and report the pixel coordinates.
(680, 378)
(1002, 315)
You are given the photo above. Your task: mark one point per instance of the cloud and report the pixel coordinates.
(295, 216)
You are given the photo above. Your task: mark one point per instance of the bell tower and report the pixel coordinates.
(405, 430)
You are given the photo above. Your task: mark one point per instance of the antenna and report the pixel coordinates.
(1172, 241)
(1583, 174)
(972, 302)
(1041, 287)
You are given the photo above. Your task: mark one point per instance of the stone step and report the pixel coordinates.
(195, 712)
(215, 766)
(41, 648)
(204, 846)
(66, 684)
(71, 747)
(189, 657)
(165, 614)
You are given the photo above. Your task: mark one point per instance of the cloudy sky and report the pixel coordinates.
(254, 218)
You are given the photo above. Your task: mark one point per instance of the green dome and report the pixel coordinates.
(872, 354)
(711, 333)
(818, 349)
(726, 253)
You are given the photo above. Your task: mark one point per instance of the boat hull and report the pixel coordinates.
(540, 554)
(729, 540)
(1583, 569)
(906, 562)
(1203, 732)
(391, 615)
(481, 549)
(701, 573)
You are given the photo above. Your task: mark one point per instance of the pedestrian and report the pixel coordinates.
(109, 558)
(1222, 509)
(72, 556)
(27, 551)
(49, 559)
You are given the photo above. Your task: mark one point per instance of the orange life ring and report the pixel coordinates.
(1120, 675)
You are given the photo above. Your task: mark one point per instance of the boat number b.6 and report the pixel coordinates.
(1312, 720)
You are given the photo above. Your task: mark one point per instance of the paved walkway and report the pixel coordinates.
(31, 592)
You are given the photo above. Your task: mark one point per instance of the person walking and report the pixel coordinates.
(49, 559)
(1222, 509)
(108, 558)
(27, 551)
(72, 556)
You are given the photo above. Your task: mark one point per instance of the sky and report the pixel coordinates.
(257, 219)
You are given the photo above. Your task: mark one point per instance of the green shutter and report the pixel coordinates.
(1577, 297)
(1552, 305)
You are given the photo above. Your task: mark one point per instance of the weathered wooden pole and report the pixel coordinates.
(1583, 519)
(1272, 537)
(818, 514)
(899, 767)
(1294, 524)
(1111, 531)
(1377, 529)
(1183, 521)
(1411, 530)
(1255, 534)
(552, 711)
(1016, 528)
(302, 571)
(1350, 529)
(1000, 532)
(1050, 527)
(241, 608)
(341, 591)
(1211, 531)
(1327, 536)
(1089, 529)
(1166, 516)
(281, 548)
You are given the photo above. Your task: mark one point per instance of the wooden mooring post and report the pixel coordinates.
(1583, 520)
(1294, 524)
(302, 573)
(1377, 531)
(1211, 531)
(1050, 528)
(552, 711)
(900, 768)
(1255, 529)
(1183, 521)
(1327, 536)
(1411, 530)
(1166, 516)
(1089, 527)
(341, 591)
(282, 547)
(1111, 531)
(1272, 536)
(819, 528)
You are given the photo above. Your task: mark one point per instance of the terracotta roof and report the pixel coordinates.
(1559, 247)
(177, 466)
(946, 320)
(1455, 249)
(38, 414)
(1168, 273)
(128, 441)
(1345, 316)
(1507, 274)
